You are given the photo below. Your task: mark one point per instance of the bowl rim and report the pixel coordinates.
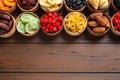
(97, 34)
(13, 29)
(51, 34)
(31, 10)
(35, 32)
(71, 33)
(114, 7)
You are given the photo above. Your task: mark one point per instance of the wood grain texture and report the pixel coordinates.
(59, 58)
(62, 38)
(57, 76)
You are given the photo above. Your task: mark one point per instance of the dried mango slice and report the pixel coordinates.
(21, 27)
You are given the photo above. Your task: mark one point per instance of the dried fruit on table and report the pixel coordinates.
(27, 24)
(6, 23)
(75, 22)
(99, 22)
(75, 4)
(98, 4)
(51, 22)
(27, 4)
(5, 5)
(116, 21)
(51, 5)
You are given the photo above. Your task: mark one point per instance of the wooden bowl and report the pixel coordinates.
(35, 32)
(31, 10)
(112, 28)
(71, 10)
(12, 9)
(113, 7)
(98, 34)
(12, 31)
(51, 34)
(46, 10)
(93, 10)
(71, 33)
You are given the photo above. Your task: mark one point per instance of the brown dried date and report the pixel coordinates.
(93, 23)
(99, 29)
(4, 21)
(2, 32)
(103, 21)
(4, 27)
(93, 16)
(10, 24)
(5, 16)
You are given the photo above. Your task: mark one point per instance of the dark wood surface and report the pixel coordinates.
(61, 57)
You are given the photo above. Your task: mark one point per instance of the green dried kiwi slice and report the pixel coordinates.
(34, 23)
(26, 17)
(28, 29)
(21, 27)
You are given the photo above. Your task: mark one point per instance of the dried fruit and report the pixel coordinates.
(27, 24)
(98, 23)
(51, 22)
(116, 21)
(75, 22)
(6, 23)
(75, 4)
(50, 5)
(5, 5)
(27, 4)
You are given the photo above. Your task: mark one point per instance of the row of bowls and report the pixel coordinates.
(15, 24)
(63, 1)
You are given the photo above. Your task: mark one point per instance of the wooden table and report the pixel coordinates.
(61, 57)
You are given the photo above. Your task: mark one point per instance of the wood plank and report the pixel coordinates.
(56, 76)
(59, 58)
(62, 38)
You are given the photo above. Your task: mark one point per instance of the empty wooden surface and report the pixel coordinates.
(58, 76)
(61, 57)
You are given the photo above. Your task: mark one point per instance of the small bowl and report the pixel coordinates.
(113, 7)
(72, 33)
(112, 28)
(12, 31)
(71, 10)
(97, 34)
(92, 10)
(12, 9)
(51, 34)
(35, 32)
(46, 10)
(34, 9)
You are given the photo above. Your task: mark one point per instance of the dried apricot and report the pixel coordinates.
(1, 3)
(6, 2)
